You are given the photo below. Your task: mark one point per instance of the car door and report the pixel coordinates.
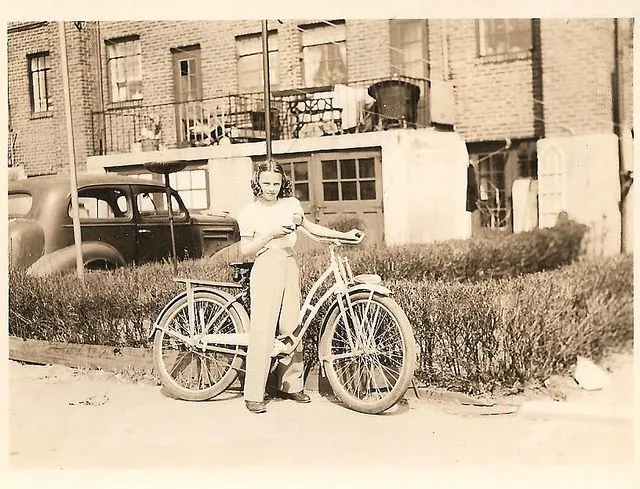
(106, 215)
(153, 232)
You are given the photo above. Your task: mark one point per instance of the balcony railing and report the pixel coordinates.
(295, 113)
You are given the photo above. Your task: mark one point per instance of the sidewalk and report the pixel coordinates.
(613, 403)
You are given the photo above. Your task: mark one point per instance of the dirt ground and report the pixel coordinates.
(63, 418)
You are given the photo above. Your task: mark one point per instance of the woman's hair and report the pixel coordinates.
(274, 166)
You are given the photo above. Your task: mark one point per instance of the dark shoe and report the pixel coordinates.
(256, 406)
(299, 397)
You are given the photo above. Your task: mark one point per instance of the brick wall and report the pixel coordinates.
(577, 59)
(38, 144)
(368, 53)
(493, 97)
(41, 140)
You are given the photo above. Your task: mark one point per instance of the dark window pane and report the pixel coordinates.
(347, 169)
(184, 67)
(368, 190)
(301, 191)
(287, 170)
(329, 170)
(300, 171)
(330, 191)
(349, 191)
(366, 168)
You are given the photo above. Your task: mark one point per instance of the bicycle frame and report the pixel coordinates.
(344, 283)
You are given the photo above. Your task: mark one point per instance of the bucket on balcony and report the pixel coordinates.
(396, 102)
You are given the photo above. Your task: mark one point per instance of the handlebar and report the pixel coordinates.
(335, 241)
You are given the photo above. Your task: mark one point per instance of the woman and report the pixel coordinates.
(267, 232)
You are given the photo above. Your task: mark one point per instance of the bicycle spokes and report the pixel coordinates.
(196, 367)
(366, 350)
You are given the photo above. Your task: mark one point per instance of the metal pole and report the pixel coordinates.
(267, 87)
(75, 215)
(174, 259)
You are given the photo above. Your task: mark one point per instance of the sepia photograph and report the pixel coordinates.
(383, 245)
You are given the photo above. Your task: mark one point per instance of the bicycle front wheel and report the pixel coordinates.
(369, 353)
(186, 371)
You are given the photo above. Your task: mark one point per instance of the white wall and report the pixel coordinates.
(424, 177)
(590, 186)
(424, 187)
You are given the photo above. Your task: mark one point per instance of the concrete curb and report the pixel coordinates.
(575, 411)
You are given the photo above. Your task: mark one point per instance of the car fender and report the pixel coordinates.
(26, 242)
(64, 260)
(238, 308)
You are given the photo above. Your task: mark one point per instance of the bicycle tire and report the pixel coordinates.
(369, 381)
(195, 387)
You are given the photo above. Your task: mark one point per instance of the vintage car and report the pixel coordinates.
(123, 220)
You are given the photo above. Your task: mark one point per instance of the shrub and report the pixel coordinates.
(473, 329)
(477, 337)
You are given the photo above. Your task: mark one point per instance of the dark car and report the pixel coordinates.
(124, 221)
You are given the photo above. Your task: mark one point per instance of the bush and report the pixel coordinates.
(449, 291)
(477, 337)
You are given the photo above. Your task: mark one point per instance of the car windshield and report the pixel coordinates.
(19, 204)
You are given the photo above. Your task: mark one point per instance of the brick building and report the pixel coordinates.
(502, 84)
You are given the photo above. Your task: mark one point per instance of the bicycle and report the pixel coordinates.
(366, 346)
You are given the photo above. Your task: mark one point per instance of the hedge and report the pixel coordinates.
(484, 312)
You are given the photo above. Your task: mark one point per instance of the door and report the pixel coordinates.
(342, 190)
(347, 191)
(153, 232)
(106, 215)
(187, 83)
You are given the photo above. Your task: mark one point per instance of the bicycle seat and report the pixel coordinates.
(241, 265)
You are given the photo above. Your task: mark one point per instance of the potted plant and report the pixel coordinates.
(150, 134)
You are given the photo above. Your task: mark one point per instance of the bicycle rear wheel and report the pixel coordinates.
(188, 372)
(369, 367)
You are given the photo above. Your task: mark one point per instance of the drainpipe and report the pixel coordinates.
(623, 131)
(103, 129)
(445, 51)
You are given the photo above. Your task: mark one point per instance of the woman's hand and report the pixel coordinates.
(280, 231)
(354, 235)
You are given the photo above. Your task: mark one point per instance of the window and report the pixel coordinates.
(324, 51)
(504, 36)
(39, 82)
(102, 203)
(124, 62)
(493, 203)
(192, 187)
(187, 76)
(249, 50)
(154, 204)
(408, 47)
(349, 179)
(299, 178)
(19, 204)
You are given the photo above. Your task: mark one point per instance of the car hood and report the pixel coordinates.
(212, 217)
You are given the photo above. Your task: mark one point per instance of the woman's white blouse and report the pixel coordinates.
(258, 218)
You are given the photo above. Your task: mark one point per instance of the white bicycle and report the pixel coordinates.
(366, 345)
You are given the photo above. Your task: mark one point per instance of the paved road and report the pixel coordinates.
(62, 418)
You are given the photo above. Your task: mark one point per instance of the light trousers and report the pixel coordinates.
(275, 305)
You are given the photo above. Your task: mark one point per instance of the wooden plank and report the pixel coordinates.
(113, 359)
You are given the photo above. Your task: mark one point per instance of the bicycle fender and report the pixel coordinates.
(242, 313)
(377, 289)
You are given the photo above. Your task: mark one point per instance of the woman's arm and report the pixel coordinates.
(325, 232)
